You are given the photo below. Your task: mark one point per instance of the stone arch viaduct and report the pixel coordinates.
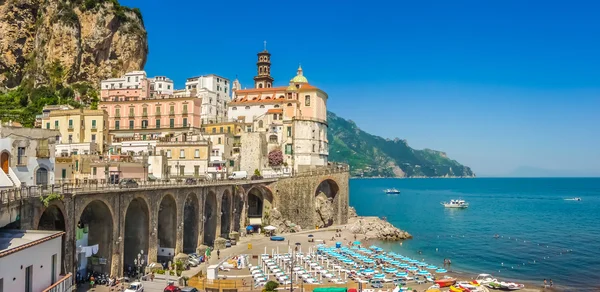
(183, 219)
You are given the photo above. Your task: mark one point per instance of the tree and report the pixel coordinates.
(275, 158)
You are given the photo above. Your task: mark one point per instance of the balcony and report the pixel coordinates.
(237, 144)
(172, 113)
(184, 112)
(157, 114)
(71, 128)
(94, 129)
(131, 115)
(145, 114)
(117, 116)
(42, 153)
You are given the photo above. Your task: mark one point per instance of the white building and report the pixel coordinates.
(30, 260)
(161, 85)
(26, 156)
(215, 93)
(131, 80)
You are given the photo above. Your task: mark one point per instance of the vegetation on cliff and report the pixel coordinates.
(372, 156)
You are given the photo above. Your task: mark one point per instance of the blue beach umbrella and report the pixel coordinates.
(249, 228)
(431, 267)
(441, 271)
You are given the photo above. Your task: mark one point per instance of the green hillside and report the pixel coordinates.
(372, 156)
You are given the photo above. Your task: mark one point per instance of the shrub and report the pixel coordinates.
(275, 157)
(271, 286)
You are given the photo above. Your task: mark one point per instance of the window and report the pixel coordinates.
(145, 111)
(228, 129)
(169, 153)
(70, 138)
(313, 147)
(131, 123)
(53, 270)
(158, 110)
(117, 123)
(55, 124)
(276, 106)
(288, 149)
(29, 279)
(128, 79)
(181, 153)
(221, 130)
(64, 173)
(185, 108)
(168, 86)
(260, 124)
(289, 131)
(197, 153)
(76, 165)
(93, 137)
(158, 124)
(196, 170)
(131, 112)
(181, 170)
(262, 106)
(307, 100)
(93, 124)
(172, 123)
(118, 112)
(273, 139)
(234, 108)
(247, 107)
(214, 130)
(70, 124)
(94, 170)
(219, 141)
(185, 122)
(48, 126)
(136, 79)
(144, 124)
(172, 110)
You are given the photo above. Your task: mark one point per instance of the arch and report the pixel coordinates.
(53, 218)
(226, 204)
(5, 161)
(326, 202)
(41, 176)
(97, 219)
(268, 85)
(210, 218)
(190, 223)
(167, 226)
(260, 85)
(273, 138)
(238, 207)
(260, 201)
(137, 229)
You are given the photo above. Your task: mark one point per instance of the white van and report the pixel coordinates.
(239, 175)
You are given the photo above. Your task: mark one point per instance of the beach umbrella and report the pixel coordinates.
(356, 243)
(441, 271)
(432, 267)
(249, 228)
(270, 228)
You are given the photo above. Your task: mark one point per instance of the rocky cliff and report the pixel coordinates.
(49, 42)
(373, 156)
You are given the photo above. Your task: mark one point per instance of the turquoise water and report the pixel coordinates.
(542, 236)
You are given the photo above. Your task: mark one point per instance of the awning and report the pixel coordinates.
(123, 135)
(152, 177)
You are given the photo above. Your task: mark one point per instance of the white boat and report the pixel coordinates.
(485, 279)
(392, 191)
(573, 199)
(456, 204)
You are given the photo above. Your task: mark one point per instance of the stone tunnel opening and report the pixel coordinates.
(167, 228)
(190, 224)
(137, 227)
(97, 220)
(226, 214)
(326, 208)
(210, 219)
(53, 219)
(260, 201)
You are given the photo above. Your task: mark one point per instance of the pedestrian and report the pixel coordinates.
(152, 277)
(551, 284)
(218, 254)
(545, 283)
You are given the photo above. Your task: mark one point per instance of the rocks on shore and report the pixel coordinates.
(377, 228)
(283, 226)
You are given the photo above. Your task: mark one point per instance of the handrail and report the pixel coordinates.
(64, 284)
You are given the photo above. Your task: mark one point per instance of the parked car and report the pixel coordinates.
(172, 288)
(233, 242)
(128, 183)
(191, 181)
(135, 287)
(189, 289)
(238, 175)
(192, 261)
(228, 243)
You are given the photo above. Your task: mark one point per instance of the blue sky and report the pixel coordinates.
(495, 84)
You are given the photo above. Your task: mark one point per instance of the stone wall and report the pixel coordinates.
(253, 152)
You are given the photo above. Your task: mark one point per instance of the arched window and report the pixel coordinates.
(260, 85)
(273, 139)
(41, 176)
(307, 100)
(269, 85)
(234, 108)
(276, 106)
(289, 104)
(260, 124)
(262, 106)
(247, 107)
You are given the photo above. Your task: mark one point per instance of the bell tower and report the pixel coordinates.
(263, 78)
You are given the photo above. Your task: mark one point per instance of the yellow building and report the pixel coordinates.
(186, 157)
(82, 131)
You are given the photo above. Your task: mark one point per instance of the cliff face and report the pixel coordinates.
(372, 156)
(57, 41)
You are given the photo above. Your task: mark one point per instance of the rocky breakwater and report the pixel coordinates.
(375, 228)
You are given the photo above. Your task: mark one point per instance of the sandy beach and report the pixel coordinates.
(255, 245)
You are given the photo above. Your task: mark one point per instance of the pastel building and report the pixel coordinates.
(135, 85)
(291, 118)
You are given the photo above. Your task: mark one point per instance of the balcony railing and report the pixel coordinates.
(42, 153)
(157, 114)
(131, 115)
(171, 113)
(64, 284)
(118, 116)
(145, 114)
(184, 112)
(237, 144)
(169, 126)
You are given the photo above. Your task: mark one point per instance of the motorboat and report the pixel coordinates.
(456, 204)
(392, 191)
(574, 199)
(485, 279)
(445, 282)
(505, 285)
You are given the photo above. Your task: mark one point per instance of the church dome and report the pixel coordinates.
(299, 77)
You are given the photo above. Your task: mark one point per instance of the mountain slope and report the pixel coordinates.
(371, 156)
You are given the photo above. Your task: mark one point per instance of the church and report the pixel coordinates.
(290, 118)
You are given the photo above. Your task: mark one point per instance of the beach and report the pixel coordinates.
(308, 241)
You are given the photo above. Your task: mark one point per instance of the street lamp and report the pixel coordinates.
(139, 263)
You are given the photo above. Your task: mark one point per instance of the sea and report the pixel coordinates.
(540, 235)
